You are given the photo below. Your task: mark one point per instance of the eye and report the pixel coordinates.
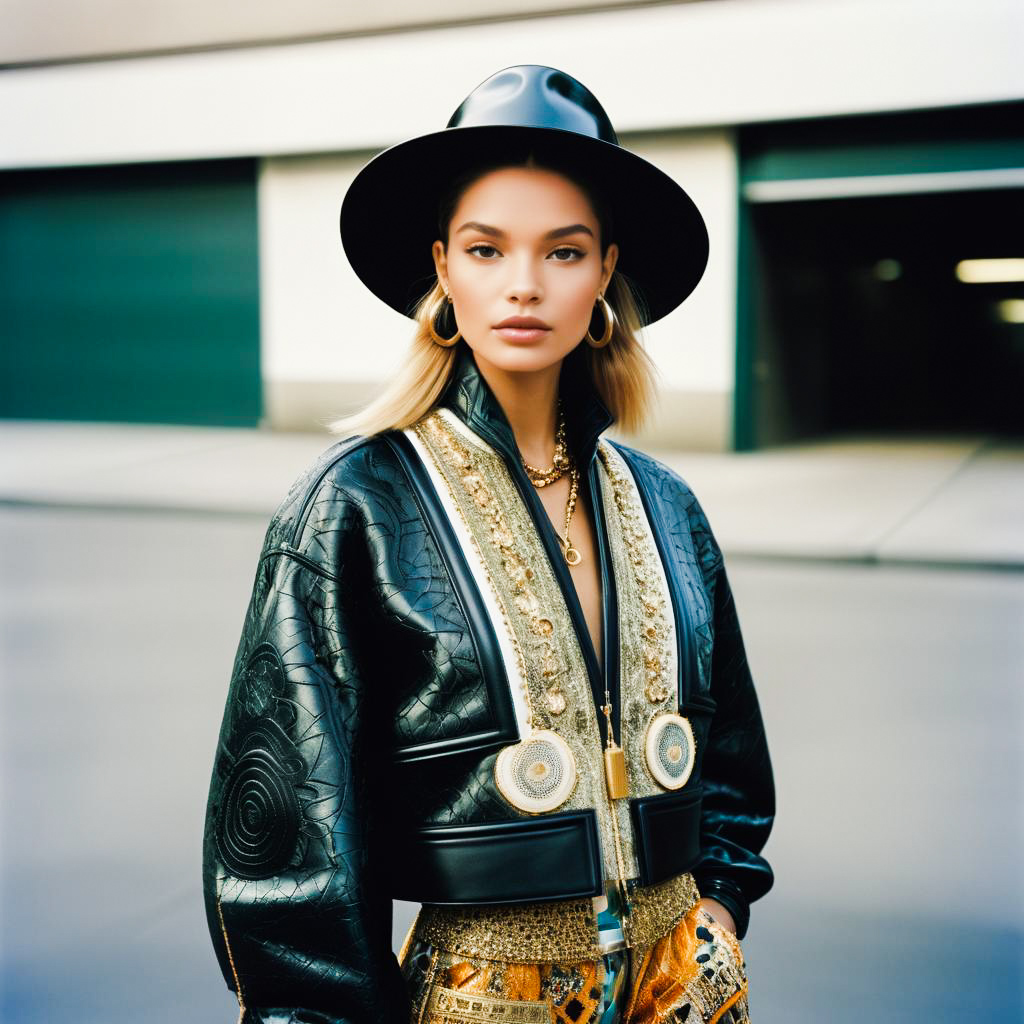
(573, 253)
(480, 246)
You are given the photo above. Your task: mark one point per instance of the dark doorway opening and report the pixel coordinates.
(860, 324)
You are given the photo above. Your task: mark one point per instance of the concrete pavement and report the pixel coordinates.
(890, 697)
(957, 501)
(891, 701)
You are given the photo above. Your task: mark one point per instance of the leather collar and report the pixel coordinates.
(470, 397)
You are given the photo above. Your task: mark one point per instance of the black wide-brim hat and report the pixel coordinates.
(389, 214)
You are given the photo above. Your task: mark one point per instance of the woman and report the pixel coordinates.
(491, 663)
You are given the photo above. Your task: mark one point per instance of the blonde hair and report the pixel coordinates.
(622, 372)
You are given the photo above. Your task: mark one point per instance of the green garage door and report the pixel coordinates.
(130, 293)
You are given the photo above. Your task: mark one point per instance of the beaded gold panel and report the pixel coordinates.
(454, 1006)
(516, 932)
(559, 930)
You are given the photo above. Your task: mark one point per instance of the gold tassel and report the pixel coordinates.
(614, 760)
(615, 771)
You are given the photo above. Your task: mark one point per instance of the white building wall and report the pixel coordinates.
(694, 345)
(720, 62)
(62, 29)
(318, 320)
(674, 78)
(327, 342)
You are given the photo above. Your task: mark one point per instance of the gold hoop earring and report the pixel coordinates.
(437, 339)
(609, 325)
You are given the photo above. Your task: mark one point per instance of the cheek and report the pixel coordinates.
(473, 289)
(580, 298)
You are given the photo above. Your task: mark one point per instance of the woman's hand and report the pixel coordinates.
(718, 912)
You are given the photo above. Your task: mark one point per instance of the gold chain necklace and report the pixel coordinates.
(561, 463)
(572, 555)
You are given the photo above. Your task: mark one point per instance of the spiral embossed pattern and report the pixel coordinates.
(260, 815)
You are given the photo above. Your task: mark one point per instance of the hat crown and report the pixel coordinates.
(535, 96)
(526, 109)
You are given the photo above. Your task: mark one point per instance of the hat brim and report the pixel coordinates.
(389, 213)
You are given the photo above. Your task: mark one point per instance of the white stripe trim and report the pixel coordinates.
(881, 185)
(462, 428)
(479, 571)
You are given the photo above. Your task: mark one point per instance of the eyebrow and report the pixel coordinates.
(486, 229)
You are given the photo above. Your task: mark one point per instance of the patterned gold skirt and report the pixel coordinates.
(536, 964)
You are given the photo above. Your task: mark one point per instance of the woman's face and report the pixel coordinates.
(523, 242)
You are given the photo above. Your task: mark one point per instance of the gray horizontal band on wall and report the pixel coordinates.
(881, 185)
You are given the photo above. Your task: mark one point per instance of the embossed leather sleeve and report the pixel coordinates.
(297, 902)
(738, 807)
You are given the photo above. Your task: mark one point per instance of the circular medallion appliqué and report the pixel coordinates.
(538, 773)
(670, 748)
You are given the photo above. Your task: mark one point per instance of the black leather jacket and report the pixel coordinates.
(370, 698)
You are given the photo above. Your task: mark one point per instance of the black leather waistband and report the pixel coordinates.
(554, 856)
(543, 857)
(666, 830)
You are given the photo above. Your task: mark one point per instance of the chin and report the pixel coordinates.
(522, 358)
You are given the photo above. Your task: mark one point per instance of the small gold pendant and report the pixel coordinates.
(615, 771)
(572, 556)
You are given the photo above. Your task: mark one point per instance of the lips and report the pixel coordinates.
(517, 335)
(526, 322)
(519, 329)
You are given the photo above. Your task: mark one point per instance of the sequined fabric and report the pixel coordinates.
(570, 929)
(693, 973)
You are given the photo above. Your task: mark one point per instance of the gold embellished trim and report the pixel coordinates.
(555, 930)
(435, 431)
(657, 631)
(231, 961)
(508, 643)
(647, 639)
(452, 1006)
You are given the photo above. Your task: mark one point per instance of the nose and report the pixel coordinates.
(524, 285)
